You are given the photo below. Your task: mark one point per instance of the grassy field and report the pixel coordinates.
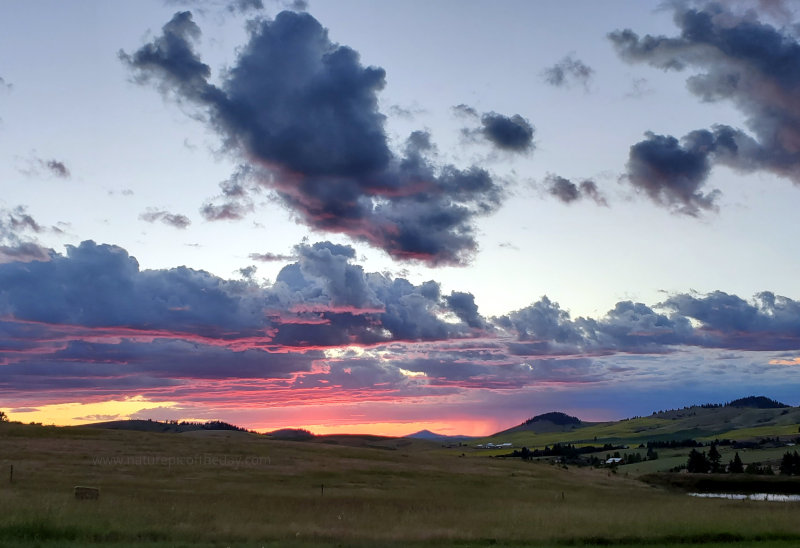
(238, 489)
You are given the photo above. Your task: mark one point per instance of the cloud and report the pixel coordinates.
(227, 211)
(303, 113)
(463, 305)
(640, 87)
(672, 173)
(740, 59)
(465, 111)
(769, 322)
(150, 330)
(248, 272)
(38, 167)
(23, 252)
(328, 331)
(567, 72)
(16, 244)
(245, 6)
(508, 133)
(231, 6)
(568, 192)
(513, 133)
(57, 168)
(270, 257)
(172, 219)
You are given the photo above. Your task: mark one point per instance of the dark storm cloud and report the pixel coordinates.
(305, 111)
(568, 192)
(153, 215)
(568, 71)
(753, 65)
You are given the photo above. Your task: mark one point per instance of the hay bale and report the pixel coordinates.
(86, 493)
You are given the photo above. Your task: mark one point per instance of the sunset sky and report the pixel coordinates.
(361, 216)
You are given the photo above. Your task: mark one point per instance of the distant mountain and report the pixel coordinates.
(433, 436)
(555, 417)
(555, 421)
(757, 402)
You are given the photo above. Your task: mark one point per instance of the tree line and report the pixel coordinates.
(701, 463)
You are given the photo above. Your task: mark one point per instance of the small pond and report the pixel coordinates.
(770, 497)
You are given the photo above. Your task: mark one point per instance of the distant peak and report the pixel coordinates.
(555, 417)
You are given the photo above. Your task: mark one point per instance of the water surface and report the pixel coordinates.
(770, 497)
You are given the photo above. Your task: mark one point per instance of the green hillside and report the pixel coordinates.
(732, 421)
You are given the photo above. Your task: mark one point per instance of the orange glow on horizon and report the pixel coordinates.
(335, 421)
(76, 413)
(398, 429)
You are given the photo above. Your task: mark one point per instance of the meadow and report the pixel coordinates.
(241, 489)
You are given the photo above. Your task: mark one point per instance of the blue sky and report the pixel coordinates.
(377, 216)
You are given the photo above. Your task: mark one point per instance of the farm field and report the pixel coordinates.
(239, 489)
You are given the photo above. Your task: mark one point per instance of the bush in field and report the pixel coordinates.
(756, 468)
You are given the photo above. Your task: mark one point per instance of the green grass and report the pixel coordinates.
(695, 423)
(179, 490)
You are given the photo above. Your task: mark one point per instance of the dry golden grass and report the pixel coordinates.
(229, 489)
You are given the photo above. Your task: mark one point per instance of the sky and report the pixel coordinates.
(358, 216)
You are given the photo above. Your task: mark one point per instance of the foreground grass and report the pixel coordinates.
(243, 490)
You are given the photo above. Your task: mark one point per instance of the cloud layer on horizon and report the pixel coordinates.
(327, 328)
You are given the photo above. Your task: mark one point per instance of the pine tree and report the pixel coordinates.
(788, 466)
(714, 458)
(736, 466)
(698, 462)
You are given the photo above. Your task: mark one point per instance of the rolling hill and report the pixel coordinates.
(744, 419)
